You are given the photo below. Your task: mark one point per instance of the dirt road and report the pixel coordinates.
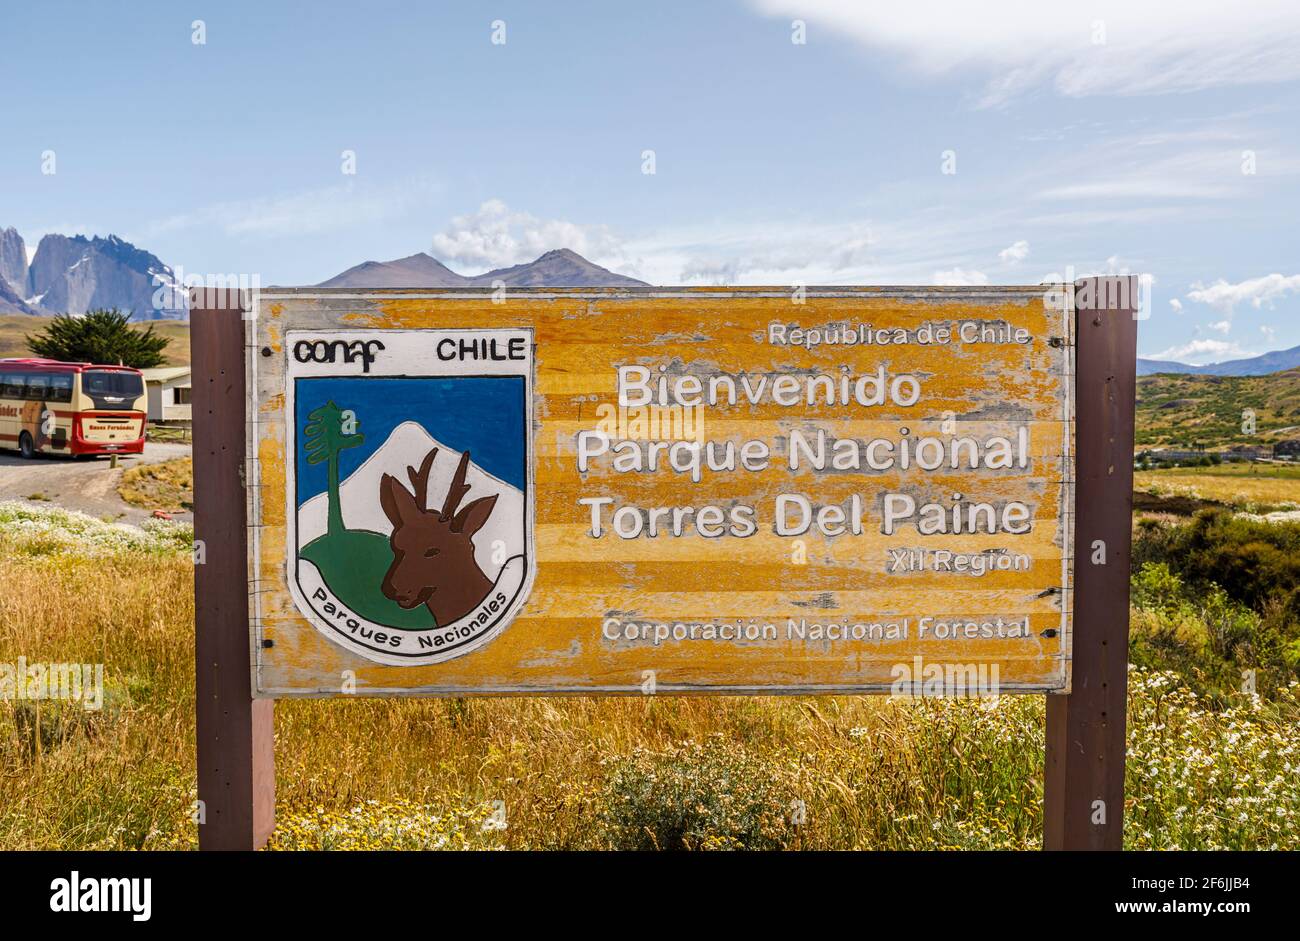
(86, 485)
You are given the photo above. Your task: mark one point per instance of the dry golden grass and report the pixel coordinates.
(858, 763)
(134, 771)
(15, 328)
(1242, 485)
(860, 772)
(168, 485)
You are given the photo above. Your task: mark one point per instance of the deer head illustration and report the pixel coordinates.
(433, 551)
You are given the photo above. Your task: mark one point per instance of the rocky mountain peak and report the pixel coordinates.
(560, 267)
(13, 261)
(74, 274)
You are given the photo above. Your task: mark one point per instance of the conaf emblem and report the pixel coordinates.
(410, 536)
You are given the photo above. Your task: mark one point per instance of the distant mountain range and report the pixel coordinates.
(74, 274)
(560, 268)
(1275, 361)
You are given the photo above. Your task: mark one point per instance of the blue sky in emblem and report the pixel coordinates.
(481, 414)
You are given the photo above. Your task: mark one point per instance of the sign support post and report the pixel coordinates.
(1083, 793)
(234, 732)
(401, 336)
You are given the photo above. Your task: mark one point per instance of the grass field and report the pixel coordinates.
(168, 485)
(1256, 487)
(14, 329)
(834, 772)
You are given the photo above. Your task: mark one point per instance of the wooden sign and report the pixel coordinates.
(628, 491)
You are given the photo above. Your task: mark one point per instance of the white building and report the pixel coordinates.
(168, 391)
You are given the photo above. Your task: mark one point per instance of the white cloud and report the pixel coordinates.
(1199, 352)
(309, 212)
(1162, 166)
(1015, 253)
(959, 276)
(1176, 304)
(1117, 265)
(1270, 334)
(1222, 326)
(1111, 267)
(495, 237)
(929, 245)
(785, 252)
(1143, 187)
(1258, 292)
(1112, 47)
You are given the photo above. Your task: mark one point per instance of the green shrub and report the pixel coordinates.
(1216, 643)
(1255, 562)
(709, 796)
(1156, 587)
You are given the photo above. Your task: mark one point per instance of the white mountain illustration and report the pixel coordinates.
(407, 447)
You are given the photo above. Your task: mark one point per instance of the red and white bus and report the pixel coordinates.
(49, 407)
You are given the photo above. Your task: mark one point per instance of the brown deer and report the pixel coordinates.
(433, 552)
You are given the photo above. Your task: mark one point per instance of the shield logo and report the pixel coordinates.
(410, 516)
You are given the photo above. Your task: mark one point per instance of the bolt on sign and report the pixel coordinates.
(674, 490)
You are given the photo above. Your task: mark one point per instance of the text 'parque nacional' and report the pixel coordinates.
(723, 490)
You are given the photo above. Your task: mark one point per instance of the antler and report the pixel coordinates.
(420, 479)
(457, 490)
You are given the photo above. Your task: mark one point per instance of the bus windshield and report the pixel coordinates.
(112, 389)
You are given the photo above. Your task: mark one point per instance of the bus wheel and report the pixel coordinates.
(26, 447)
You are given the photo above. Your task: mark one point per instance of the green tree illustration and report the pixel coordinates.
(327, 435)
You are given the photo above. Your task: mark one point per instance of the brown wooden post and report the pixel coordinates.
(234, 732)
(1083, 794)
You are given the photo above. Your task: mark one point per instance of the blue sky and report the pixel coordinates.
(1158, 138)
(442, 406)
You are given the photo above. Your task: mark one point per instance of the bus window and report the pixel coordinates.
(13, 385)
(112, 389)
(37, 385)
(61, 388)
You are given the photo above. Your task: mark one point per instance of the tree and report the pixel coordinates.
(100, 336)
(329, 430)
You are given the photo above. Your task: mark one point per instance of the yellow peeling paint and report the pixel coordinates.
(561, 640)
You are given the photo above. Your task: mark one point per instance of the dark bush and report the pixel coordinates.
(1218, 601)
(1255, 562)
(710, 795)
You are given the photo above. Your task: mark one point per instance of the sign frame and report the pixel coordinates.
(280, 311)
(1085, 729)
